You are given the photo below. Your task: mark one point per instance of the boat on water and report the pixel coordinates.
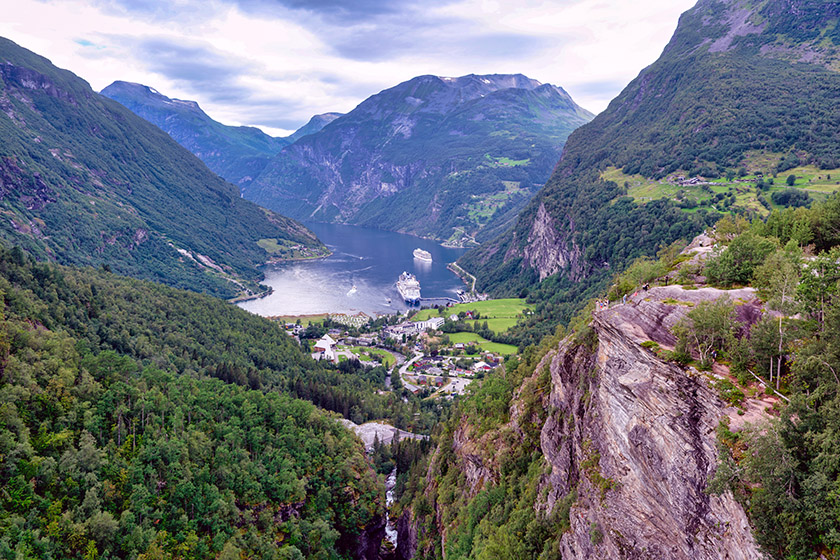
(422, 255)
(409, 288)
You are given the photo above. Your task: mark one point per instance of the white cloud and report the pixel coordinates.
(275, 66)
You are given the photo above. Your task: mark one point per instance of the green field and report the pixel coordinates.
(503, 313)
(305, 320)
(464, 337)
(384, 357)
(495, 347)
(506, 161)
(819, 183)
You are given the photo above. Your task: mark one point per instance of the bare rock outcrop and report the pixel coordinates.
(548, 251)
(634, 437)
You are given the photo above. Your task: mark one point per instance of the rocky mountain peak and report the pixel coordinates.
(792, 30)
(315, 124)
(439, 95)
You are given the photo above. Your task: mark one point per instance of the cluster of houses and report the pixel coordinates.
(410, 328)
(440, 371)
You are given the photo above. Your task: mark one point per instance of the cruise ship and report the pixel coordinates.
(409, 288)
(422, 255)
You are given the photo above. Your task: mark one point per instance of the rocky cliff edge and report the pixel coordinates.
(631, 437)
(634, 436)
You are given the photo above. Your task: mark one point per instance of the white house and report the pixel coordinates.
(481, 366)
(430, 324)
(325, 343)
(324, 349)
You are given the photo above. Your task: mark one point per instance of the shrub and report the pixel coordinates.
(736, 264)
(791, 197)
(728, 392)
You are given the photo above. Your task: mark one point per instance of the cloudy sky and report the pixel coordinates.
(275, 63)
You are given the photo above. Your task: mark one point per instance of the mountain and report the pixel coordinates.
(236, 153)
(439, 157)
(315, 124)
(744, 90)
(85, 181)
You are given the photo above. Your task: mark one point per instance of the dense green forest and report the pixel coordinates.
(85, 181)
(116, 443)
(138, 419)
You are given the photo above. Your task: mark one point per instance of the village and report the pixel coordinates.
(413, 347)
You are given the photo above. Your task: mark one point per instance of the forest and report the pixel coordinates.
(142, 421)
(104, 456)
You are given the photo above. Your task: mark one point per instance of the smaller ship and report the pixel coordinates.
(422, 255)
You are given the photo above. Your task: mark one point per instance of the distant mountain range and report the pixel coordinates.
(85, 181)
(742, 89)
(237, 153)
(438, 157)
(449, 158)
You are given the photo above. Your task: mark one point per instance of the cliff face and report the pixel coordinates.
(549, 251)
(639, 452)
(625, 437)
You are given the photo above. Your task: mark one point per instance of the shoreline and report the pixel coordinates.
(252, 297)
(296, 259)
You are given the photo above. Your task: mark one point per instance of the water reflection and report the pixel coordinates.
(365, 259)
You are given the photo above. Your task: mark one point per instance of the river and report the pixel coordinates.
(360, 275)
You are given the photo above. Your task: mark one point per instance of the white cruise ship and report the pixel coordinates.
(409, 288)
(422, 255)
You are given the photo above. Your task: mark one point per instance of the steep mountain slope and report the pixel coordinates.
(442, 157)
(236, 153)
(85, 181)
(741, 85)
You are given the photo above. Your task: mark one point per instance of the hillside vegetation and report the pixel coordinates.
(721, 103)
(85, 181)
(782, 467)
(116, 441)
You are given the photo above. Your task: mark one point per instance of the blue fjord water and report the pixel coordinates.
(369, 259)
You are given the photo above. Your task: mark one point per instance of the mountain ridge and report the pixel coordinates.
(717, 100)
(236, 153)
(431, 156)
(87, 182)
